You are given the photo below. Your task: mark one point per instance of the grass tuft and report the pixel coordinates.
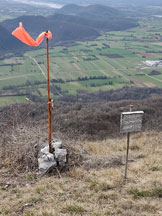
(156, 192)
(99, 186)
(105, 187)
(47, 214)
(103, 197)
(29, 213)
(156, 168)
(31, 176)
(39, 190)
(73, 209)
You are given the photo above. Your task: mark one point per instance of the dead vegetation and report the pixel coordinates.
(79, 119)
(24, 129)
(92, 183)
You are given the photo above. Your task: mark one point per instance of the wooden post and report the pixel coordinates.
(49, 101)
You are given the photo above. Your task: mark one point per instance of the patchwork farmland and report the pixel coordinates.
(112, 61)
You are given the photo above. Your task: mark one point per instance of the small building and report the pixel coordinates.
(153, 63)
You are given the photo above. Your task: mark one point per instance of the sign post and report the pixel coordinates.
(126, 163)
(130, 122)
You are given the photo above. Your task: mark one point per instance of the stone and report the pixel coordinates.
(56, 144)
(50, 156)
(45, 150)
(28, 204)
(44, 165)
(61, 155)
(46, 160)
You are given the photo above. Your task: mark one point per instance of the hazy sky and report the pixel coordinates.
(60, 3)
(39, 3)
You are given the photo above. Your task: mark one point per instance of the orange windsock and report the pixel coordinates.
(21, 34)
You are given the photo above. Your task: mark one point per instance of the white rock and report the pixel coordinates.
(46, 160)
(50, 156)
(45, 165)
(44, 157)
(57, 144)
(45, 150)
(61, 155)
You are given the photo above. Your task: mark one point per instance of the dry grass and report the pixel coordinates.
(94, 192)
(19, 148)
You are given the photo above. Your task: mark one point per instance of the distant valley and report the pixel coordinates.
(94, 48)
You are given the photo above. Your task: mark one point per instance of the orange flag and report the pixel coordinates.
(21, 34)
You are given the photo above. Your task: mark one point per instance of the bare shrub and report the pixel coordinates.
(18, 152)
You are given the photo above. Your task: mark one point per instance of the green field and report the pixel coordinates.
(4, 17)
(111, 61)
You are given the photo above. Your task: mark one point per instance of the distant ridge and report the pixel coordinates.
(70, 23)
(113, 3)
(92, 11)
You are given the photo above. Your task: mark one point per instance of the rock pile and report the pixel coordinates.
(47, 160)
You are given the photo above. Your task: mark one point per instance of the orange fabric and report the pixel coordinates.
(21, 34)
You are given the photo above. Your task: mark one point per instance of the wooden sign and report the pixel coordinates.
(131, 121)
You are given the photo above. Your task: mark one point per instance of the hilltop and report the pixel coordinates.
(96, 11)
(8, 42)
(118, 3)
(92, 183)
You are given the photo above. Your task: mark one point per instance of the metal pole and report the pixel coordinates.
(126, 164)
(127, 153)
(49, 101)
